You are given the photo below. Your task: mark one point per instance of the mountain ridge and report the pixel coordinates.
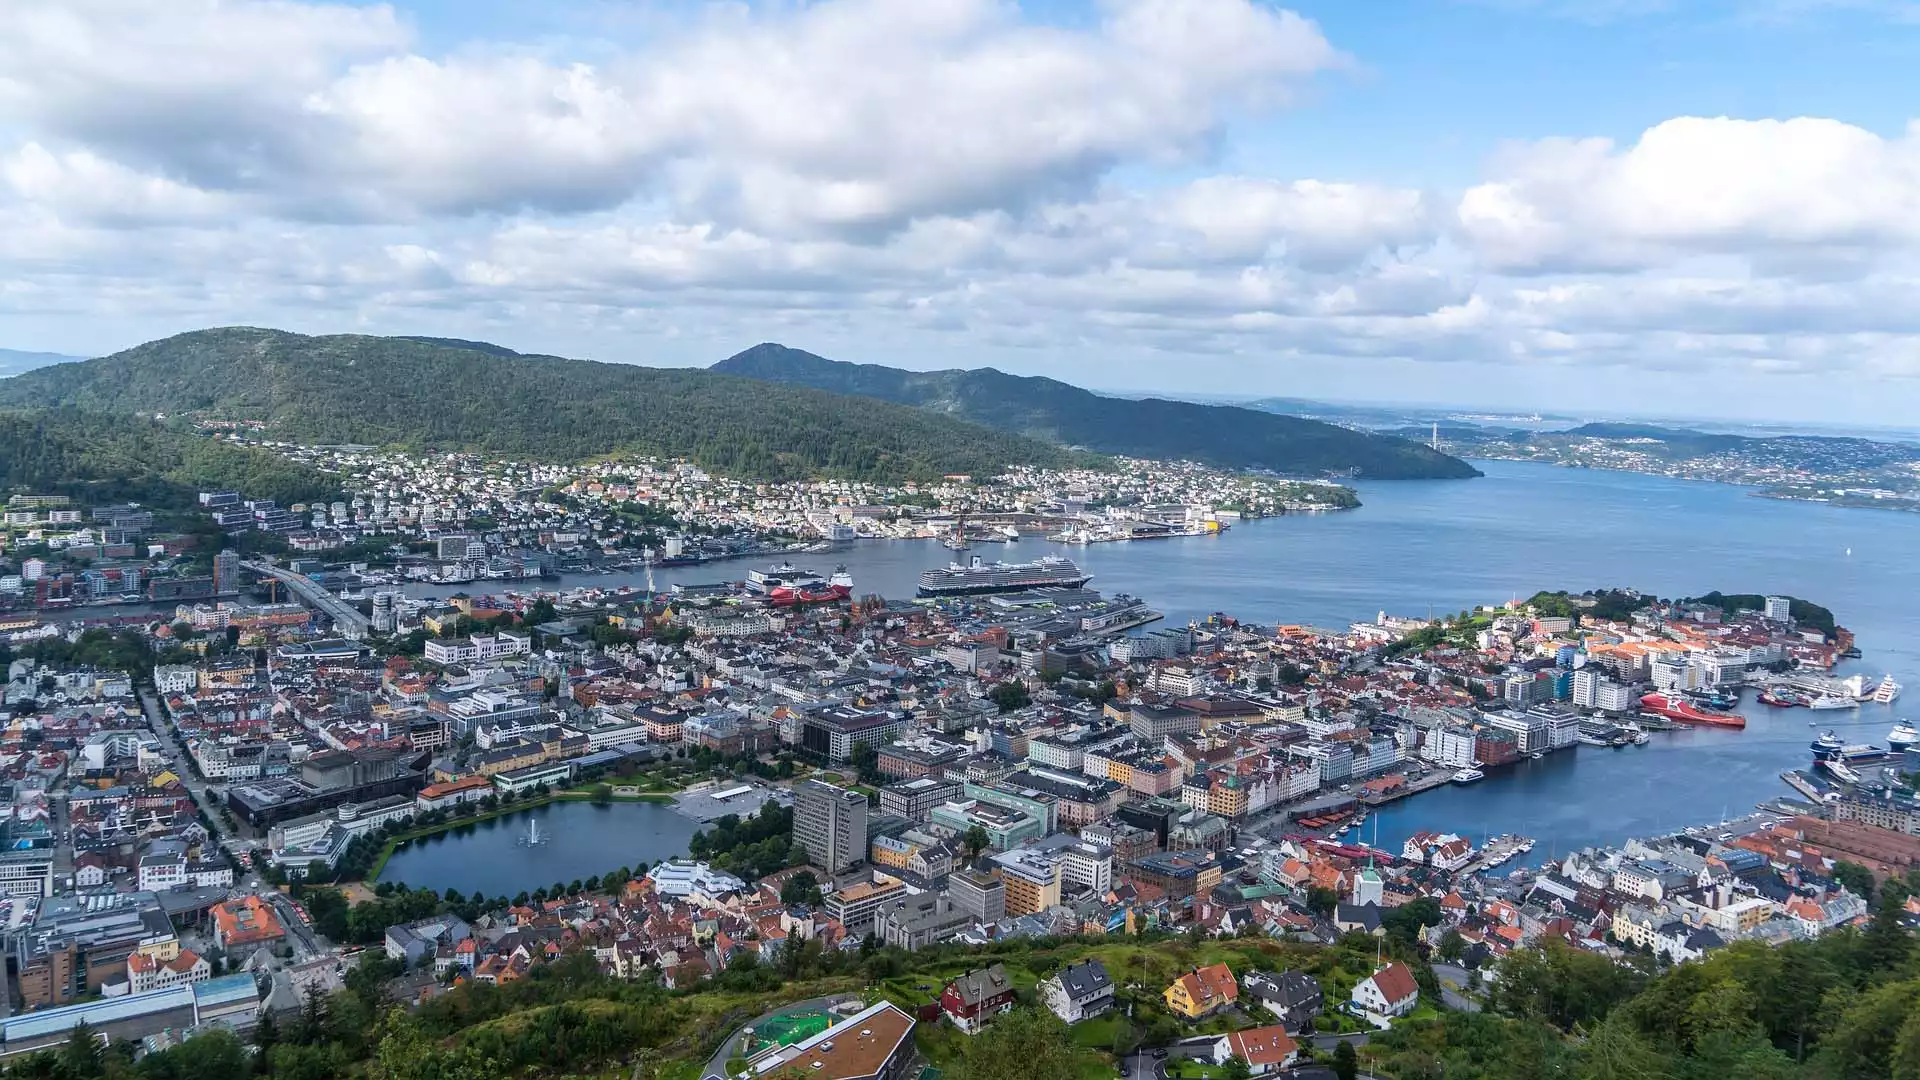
(472, 396)
(1040, 407)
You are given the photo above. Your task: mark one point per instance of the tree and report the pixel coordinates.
(1858, 879)
(1021, 1045)
(82, 1057)
(1346, 1063)
(976, 841)
(1236, 1068)
(801, 888)
(602, 794)
(1010, 695)
(1322, 901)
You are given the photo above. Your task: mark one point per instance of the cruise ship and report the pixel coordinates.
(1051, 572)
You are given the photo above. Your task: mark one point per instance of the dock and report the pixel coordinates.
(1413, 787)
(1499, 850)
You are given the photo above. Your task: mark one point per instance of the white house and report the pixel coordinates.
(1078, 991)
(1387, 993)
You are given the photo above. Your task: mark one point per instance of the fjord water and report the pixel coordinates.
(1442, 546)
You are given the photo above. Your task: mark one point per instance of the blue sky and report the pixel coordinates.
(1662, 206)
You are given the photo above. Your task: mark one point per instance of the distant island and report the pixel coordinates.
(1223, 436)
(1840, 470)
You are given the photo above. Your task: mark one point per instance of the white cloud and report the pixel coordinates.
(954, 172)
(1694, 186)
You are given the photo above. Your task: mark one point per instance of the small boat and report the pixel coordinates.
(1536, 755)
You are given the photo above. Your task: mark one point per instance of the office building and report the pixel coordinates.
(978, 893)
(831, 824)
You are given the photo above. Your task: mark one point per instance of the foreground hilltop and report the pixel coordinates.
(1220, 435)
(449, 394)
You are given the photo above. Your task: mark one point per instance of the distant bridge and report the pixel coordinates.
(346, 618)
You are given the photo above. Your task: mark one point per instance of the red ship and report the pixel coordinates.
(1688, 713)
(814, 591)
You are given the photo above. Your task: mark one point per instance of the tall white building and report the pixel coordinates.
(831, 824)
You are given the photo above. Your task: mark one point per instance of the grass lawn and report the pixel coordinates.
(1194, 1070)
(1097, 1033)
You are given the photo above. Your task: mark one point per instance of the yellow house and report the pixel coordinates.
(1202, 992)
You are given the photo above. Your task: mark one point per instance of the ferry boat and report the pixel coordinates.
(1886, 691)
(1902, 736)
(816, 590)
(1469, 776)
(786, 575)
(1688, 713)
(1050, 572)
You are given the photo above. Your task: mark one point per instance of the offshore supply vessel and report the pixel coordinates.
(1675, 708)
(1050, 572)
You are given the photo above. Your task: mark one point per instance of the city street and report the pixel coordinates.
(183, 768)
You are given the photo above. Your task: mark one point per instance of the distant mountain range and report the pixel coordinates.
(13, 361)
(451, 394)
(1221, 435)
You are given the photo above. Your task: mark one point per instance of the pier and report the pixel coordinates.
(1499, 850)
(1437, 779)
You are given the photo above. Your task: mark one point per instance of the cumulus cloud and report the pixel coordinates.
(1693, 186)
(846, 114)
(944, 170)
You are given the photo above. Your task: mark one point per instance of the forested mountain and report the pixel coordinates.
(1220, 435)
(466, 395)
(97, 458)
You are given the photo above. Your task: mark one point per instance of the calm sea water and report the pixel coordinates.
(1446, 545)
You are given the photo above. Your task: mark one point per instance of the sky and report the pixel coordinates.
(1659, 207)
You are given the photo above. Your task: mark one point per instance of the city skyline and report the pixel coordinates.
(1691, 208)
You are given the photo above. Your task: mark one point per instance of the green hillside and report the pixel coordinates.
(458, 395)
(98, 459)
(1221, 435)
